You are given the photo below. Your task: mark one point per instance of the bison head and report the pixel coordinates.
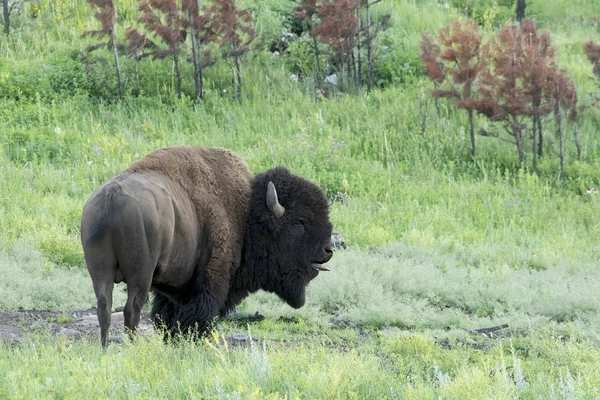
(289, 233)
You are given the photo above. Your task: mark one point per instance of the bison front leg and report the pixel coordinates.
(194, 316)
(198, 315)
(164, 313)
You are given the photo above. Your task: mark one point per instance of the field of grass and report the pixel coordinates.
(439, 244)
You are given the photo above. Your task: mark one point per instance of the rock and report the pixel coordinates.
(337, 241)
(71, 333)
(331, 79)
(239, 337)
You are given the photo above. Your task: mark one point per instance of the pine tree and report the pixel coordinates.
(166, 21)
(338, 29)
(537, 55)
(234, 31)
(454, 64)
(564, 95)
(137, 42)
(306, 13)
(106, 15)
(503, 98)
(370, 36)
(201, 35)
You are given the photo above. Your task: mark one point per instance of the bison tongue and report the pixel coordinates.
(320, 267)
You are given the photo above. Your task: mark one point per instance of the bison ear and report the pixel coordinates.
(277, 209)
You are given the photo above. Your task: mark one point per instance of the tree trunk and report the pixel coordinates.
(358, 51)
(238, 72)
(137, 71)
(521, 4)
(533, 144)
(369, 48)
(558, 120)
(354, 68)
(178, 73)
(577, 144)
(472, 132)
(6, 13)
(232, 78)
(349, 64)
(540, 149)
(316, 49)
(422, 114)
(340, 66)
(517, 134)
(196, 60)
(117, 65)
(436, 100)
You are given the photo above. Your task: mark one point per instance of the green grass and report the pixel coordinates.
(389, 365)
(439, 244)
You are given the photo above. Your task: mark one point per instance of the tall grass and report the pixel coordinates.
(394, 365)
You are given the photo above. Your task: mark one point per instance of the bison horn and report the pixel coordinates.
(277, 209)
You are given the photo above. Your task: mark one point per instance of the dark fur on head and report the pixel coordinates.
(279, 252)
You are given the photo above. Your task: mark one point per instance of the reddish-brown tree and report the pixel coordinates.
(106, 15)
(370, 35)
(592, 51)
(503, 97)
(235, 31)
(201, 35)
(166, 21)
(306, 12)
(454, 64)
(564, 95)
(338, 28)
(138, 47)
(537, 55)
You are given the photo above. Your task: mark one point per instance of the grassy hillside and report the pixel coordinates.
(439, 244)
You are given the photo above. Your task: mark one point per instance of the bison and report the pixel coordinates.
(198, 229)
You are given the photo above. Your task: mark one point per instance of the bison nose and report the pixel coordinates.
(328, 255)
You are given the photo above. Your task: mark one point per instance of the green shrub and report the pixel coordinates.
(300, 58)
(398, 59)
(489, 13)
(70, 75)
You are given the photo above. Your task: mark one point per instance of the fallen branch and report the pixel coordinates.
(489, 331)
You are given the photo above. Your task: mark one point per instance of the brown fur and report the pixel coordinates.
(219, 184)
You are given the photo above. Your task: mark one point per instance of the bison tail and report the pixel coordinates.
(99, 223)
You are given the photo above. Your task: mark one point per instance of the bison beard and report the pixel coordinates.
(194, 226)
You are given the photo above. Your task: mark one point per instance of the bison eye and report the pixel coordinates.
(297, 229)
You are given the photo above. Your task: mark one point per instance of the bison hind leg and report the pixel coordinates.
(104, 296)
(136, 300)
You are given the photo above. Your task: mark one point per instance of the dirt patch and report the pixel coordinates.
(15, 324)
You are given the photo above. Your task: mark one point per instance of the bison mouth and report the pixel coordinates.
(293, 292)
